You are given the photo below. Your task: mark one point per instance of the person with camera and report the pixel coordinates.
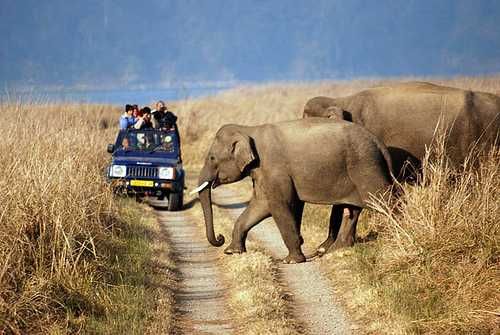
(144, 121)
(161, 118)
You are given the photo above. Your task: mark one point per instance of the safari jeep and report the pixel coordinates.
(148, 163)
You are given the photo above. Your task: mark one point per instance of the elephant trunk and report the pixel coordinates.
(205, 196)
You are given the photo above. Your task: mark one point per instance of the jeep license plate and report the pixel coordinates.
(142, 183)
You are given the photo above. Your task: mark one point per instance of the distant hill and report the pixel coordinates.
(111, 42)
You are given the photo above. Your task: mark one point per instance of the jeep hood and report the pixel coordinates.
(144, 161)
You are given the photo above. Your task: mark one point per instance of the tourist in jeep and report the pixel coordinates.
(144, 121)
(162, 117)
(125, 143)
(127, 119)
(136, 112)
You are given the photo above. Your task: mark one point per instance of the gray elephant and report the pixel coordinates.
(346, 165)
(406, 116)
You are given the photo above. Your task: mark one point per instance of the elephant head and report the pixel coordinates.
(227, 161)
(326, 107)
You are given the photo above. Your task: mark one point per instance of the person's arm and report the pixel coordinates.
(139, 122)
(154, 123)
(123, 123)
(131, 122)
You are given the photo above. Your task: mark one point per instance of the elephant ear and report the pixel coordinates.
(337, 113)
(242, 151)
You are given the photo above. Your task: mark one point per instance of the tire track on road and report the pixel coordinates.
(200, 299)
(314, 301)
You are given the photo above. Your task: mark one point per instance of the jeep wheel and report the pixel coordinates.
(175, 201)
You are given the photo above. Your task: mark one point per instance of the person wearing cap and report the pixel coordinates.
(127, 119)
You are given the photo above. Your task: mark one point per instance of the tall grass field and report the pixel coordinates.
(72, 257)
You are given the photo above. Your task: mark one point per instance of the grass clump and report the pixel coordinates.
(437, 264)
(257, 299)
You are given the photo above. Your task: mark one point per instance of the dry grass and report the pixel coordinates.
(434, 267)
(437, 261)
(257, 300)
(71, 258)
(138, 283)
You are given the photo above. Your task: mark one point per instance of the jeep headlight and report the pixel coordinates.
(119, 171)
(166, 173)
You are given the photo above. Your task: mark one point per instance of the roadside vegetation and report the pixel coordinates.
(436, 261)
(72, 257)
(433, 268)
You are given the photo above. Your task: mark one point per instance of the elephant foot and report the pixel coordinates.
(234, 250)
(294, 259)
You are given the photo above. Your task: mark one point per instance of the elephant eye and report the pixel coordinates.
(212, 158)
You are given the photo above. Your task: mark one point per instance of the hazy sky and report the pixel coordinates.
(129, 42)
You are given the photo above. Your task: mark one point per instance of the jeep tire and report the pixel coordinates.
(175, 201)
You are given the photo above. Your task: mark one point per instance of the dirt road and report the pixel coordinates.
(200, 298)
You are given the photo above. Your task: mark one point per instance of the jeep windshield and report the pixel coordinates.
(146, 141)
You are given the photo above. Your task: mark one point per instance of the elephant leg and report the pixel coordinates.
(347, 234)
(285, 220)
(336, 217)
(298, 210)
(256, 211)
(286, 208)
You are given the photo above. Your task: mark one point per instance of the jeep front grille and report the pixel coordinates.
(142, 171)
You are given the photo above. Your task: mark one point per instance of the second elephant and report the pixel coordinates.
(407, 116)
(288, 171)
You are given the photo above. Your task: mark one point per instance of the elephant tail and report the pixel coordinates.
(387, 157)
(395, 186)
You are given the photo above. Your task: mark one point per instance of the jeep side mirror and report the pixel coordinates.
(111, 148)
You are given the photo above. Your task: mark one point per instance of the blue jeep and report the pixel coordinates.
(148, 163)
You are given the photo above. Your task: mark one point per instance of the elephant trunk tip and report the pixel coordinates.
(219, 241)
